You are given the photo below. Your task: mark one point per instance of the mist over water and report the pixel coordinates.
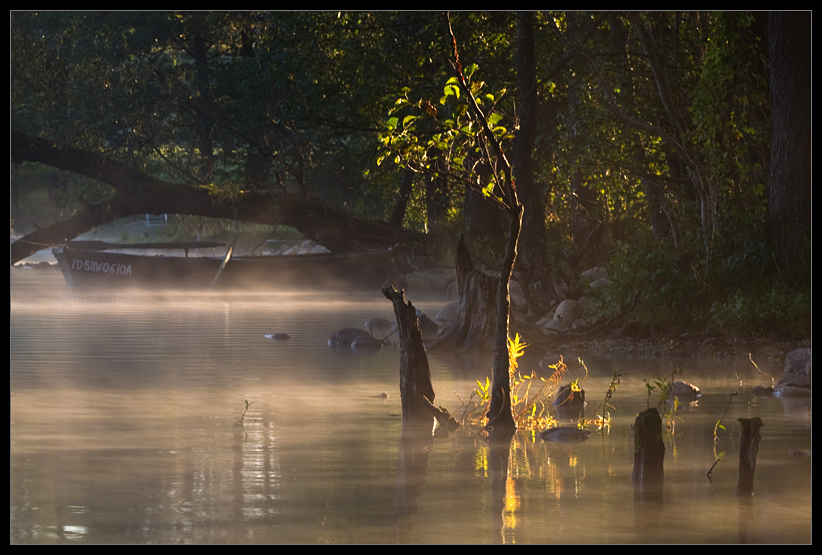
(124, 412)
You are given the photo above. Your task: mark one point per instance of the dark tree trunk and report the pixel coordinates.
(138, 193)
(482, 220)
(789, 209)
(500, 417)
(534, 256)
(501, 421)
(404, 195)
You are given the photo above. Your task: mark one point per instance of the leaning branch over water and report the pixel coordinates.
(139, 193)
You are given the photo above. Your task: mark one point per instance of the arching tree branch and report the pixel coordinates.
(139, 193)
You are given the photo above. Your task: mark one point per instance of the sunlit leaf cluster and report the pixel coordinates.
(442, 140)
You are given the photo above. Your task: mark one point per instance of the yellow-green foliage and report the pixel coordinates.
(531, 411)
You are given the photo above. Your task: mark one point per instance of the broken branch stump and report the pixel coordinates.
(416, 391)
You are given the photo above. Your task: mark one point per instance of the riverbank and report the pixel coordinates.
(762, 350)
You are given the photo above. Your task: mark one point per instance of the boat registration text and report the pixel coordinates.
(101, 267)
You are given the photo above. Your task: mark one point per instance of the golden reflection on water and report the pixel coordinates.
(124, 429)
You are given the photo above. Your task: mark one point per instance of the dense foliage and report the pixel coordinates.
(650, 152)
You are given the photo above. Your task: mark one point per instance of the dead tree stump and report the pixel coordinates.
(415, 375)
(748, 449)
(649, 450)
(475, 323)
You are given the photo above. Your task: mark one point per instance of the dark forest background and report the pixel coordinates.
(672, 148)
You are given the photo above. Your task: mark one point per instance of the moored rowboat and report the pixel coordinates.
(91, 264)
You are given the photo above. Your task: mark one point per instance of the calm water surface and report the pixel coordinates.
(124, 429)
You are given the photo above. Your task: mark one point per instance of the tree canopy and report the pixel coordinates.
(645, 143)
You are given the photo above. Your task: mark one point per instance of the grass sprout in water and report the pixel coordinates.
(668, 403)
(245, 410)
(604, 420)
(530, 410)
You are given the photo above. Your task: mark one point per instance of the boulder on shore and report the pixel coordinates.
(797, 376)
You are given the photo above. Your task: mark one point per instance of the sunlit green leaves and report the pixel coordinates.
(445, 141)
(452, 88)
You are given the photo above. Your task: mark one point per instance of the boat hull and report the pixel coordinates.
(100, 269)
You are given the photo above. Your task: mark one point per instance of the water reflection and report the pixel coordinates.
(124, 429)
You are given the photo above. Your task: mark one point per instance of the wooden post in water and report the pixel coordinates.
(649, 450)
(748, 449)
(415, 375)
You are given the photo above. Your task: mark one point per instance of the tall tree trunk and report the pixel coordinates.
(789, 208)
(534, 256)
(404, 195)
(483, 223)
(501, 421)
(500, 415)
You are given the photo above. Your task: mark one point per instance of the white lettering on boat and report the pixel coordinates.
(101, 267)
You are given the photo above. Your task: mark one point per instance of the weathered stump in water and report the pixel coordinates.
(476, 319)
(415, 375)
(748, 449)
(649, 450)
(570, 404)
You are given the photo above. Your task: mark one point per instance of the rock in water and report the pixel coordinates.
(568, 399)
(381, 327)
(570, 404)
(684, 391)
(762, 391)
(798, 375)
(346, 336)
(565, 435)
(366, 342)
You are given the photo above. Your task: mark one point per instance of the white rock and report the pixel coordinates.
(595, 273)
(566, 312)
